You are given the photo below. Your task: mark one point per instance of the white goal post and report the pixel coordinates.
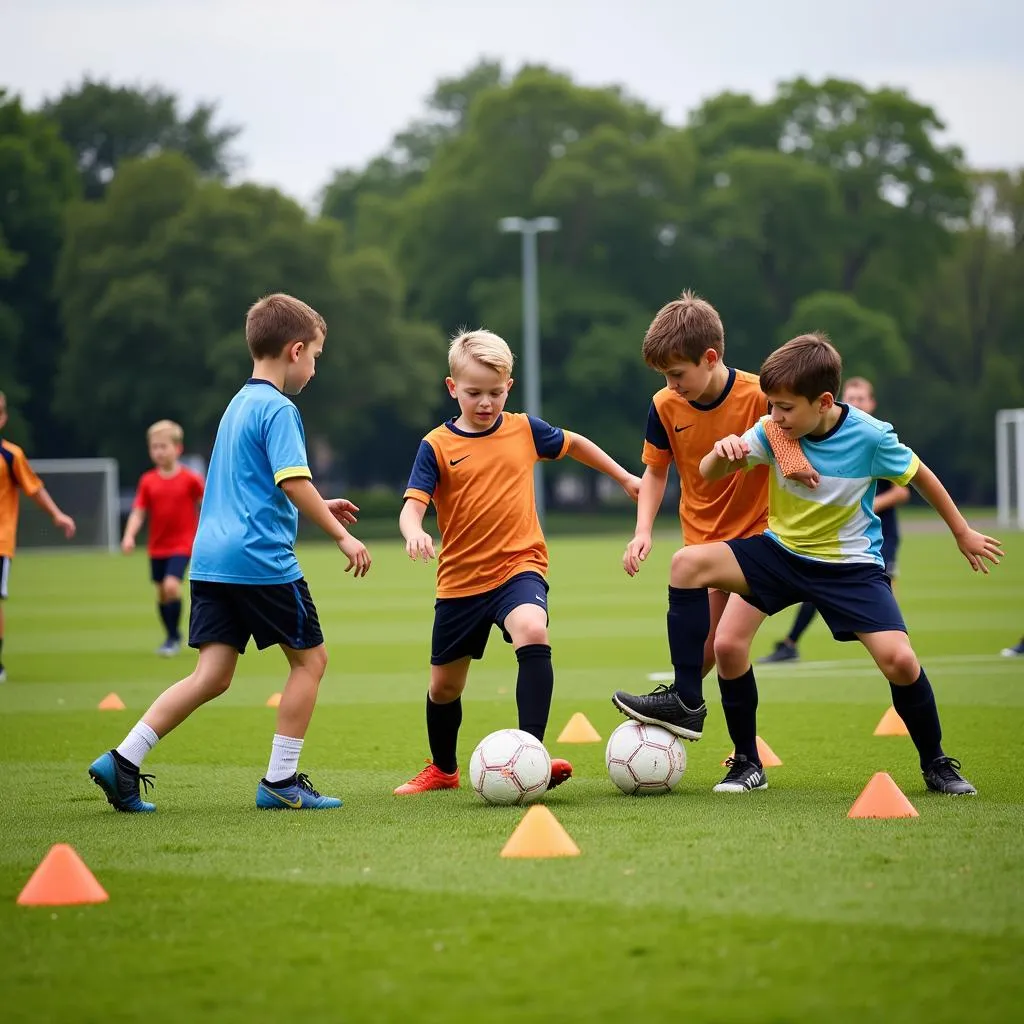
(85, 489)
(1010, 467)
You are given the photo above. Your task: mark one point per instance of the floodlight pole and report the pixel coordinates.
(529, 229)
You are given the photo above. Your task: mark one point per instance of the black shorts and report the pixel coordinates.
(890, 549)
(462, 624)
(5, 575)
(270, 613)
(172, 565)
(852, 597)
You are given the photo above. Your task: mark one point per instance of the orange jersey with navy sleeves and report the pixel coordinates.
(15, 475)
(482, 487)
(684, 432)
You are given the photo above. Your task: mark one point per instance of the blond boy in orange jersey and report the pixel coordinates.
(16, 474)
(702, 398)
(477, 468)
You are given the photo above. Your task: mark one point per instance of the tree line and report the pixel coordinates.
(128, 257)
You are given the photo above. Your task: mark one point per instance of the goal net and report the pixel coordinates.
(1010, 467)
(85, 489)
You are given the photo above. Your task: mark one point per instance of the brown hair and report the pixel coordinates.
(860, 382)
(278, 320)
(808, 365)
(684, 329)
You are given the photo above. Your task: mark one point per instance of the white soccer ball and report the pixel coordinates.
(644, 759)
(510, 767)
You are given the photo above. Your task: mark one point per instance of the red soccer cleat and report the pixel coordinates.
(433, 778)
(560, 771)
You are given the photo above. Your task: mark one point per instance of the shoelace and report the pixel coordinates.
(736, 768)
(660, 689)
(424, 773)
(302, 781)
(947, 768)
(148, 782)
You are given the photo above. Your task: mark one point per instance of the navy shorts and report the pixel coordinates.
(172, 565)
(852, 597)
(890, 548)
(270, 613)
(462, 624)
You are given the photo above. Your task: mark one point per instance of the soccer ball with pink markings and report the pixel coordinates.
(510, 767)
(644, 759)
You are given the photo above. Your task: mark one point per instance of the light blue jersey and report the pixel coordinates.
(836, 522)
(247, 524)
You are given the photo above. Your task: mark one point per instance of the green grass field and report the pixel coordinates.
(767, 907)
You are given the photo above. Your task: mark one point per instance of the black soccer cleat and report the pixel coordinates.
(1014, 652)
(782, 652)
(663, 707)
(943, 776)
(743, 776)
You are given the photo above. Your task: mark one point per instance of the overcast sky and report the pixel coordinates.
(319, 85)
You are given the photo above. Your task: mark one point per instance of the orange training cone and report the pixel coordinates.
(539, 834)
(61, 880)
(882, 798)
(274, 700)
(579, 730)
(769, 759)
(111, 703)
(891, 725)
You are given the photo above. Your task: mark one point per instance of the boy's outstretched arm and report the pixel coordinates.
(418, 543)
(131, 529)
(976, 547)
(307, 499)
(63, 522)
(652, 493)
(582, 449)
(727, 456)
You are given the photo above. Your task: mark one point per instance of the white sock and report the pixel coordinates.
(138, 743)
(284, 758)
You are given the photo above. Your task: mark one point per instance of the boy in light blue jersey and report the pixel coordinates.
(823, 544)
(246, 581)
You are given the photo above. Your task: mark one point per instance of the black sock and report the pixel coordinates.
(1, 652)
(739, 705)
(443, 721)
(915, 704)
(170, 613)
(689, 622)
(534, 684)
(803, 619)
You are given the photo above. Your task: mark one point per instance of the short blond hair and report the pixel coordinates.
(859, 382)
(278, 320)
(168, 427)
(482, 347)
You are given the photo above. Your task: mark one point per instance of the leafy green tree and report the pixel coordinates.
(106, 124)
(154, 284)
(37, 181)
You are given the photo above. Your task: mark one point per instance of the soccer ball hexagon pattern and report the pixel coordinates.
(510, 767)
(644, 759)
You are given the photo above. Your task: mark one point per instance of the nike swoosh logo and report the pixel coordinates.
(294, 804)
(455, 462)
(687, 427)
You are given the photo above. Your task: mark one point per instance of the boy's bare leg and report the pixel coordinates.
(527, 625)
(717, 600)
(117, 771)
(680, 708)
(444, 718)
(914, 701)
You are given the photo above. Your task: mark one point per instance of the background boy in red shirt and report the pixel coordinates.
(170, 494)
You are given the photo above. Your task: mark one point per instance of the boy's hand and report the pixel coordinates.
(128, 545)
(356, 553)
(65, 524)
(343, 510)
(420, 545)
(809, 478)
(636, 551)
(976, 547)
(733, 449)
(631, 485)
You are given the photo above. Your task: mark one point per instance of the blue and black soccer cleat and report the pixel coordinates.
(294, 794)
(120, 781)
